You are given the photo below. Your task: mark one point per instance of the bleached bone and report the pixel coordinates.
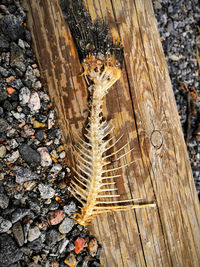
(90, 186)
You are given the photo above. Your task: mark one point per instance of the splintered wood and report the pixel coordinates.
(142, 108)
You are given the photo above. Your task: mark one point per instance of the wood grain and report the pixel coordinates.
(142, 107)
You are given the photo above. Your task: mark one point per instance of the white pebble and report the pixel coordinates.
(24, 95)
(45, 157)
(34, 102)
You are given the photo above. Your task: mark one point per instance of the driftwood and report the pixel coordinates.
(142, 107)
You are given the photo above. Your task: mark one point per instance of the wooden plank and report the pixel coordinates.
(142, 107)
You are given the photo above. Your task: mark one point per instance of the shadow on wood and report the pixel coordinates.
(142, 107)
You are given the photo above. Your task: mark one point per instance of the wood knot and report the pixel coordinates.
(156, 139)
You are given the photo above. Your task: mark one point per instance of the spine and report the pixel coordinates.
(96, 143)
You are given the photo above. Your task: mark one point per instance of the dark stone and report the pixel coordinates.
(17, 84)
(12, 9)
(19, 65)
(7, 105)
(9, 252)
(1, 111)
(36, 245)
(39, 135)
(14, 96)
(4, 44)
(3, 95)
(41, 118)
(29, 53)
(34, 205)
(12, 27)
(18, 233)
(29, 155)
(4, 72)
(29, 78)
(54, 205)
(28, 36)
(16, 53)
(99, 252)
(52, 237)
(14, 105)
(3, 125)
(26, 110)
(52, 133)
(24, 174)
(19, 214)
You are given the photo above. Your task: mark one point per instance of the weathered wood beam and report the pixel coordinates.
(142, 107)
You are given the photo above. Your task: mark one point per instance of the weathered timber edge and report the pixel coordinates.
(142, 106)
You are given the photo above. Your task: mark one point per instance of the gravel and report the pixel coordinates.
(36, 228)
(24, 174)
(9, 251)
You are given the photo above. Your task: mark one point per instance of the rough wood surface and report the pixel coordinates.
(142, 106)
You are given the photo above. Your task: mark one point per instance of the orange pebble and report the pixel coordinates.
(21, 124)
(10, 90)
(79, 244)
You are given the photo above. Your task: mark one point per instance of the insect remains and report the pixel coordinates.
(93, 184)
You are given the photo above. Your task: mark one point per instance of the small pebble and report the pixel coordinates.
(30, 80)
(33, 233)
(56, 217)
(44, 96)
(28, 130)
(37, 124)
(70, 208)
(51, 120)
(70, 260)
(4, 201)
(15, 83)
(14, 156)
(34, 102)
(46, 191)
(5, 225)
(13, 143)
(45, 157)
(4, 72)
(2, 151)
(39, 135)
(21, 43)
(93, 246)
(79, 244)
(62, 155)
(36, 245)
(10, 90)
(29, 154)
(56, 168)
(18, 233)
(24, 174)
(12, 27)
(52, 237)
(3, 125)
(19, 214)
(66, 226)
(63, 245)
(24, 95)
